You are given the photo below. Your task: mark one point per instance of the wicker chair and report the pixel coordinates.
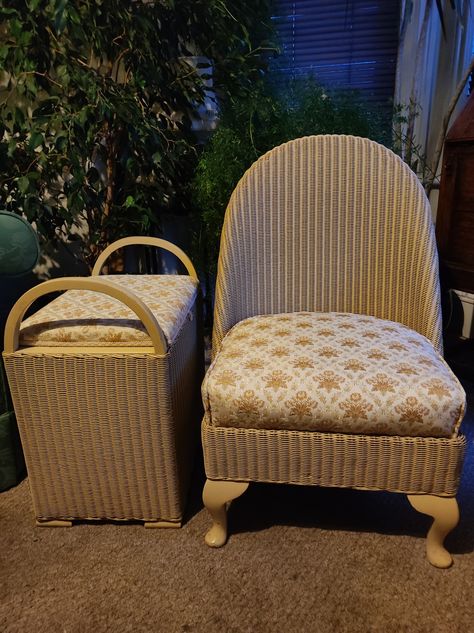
(327, 366)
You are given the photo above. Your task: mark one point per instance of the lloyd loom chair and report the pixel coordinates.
(327, 366)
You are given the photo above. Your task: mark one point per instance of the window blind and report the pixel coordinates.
(343, 43)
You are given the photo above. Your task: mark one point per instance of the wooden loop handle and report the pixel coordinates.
(143, 312)
(145, 241)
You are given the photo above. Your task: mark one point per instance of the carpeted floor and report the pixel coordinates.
(298, 560)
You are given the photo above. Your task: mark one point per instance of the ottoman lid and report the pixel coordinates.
(87, 318)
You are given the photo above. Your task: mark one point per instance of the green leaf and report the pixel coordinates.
(16, 27)
(82, 115)
(60, 142)
(129, 202)
(31, 85)
(11, 147)
(23, 184)
(19, 116)
(60, 16)
(36, 140)
(62, 71)
(5, 11)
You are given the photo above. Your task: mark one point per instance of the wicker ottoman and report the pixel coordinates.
(105, 383)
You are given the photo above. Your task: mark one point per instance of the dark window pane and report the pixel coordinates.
(343, 43)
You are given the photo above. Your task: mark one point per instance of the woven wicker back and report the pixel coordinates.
(329, 223)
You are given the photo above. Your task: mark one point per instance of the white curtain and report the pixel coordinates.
(431, 64)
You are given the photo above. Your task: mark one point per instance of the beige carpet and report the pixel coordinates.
(298, 560)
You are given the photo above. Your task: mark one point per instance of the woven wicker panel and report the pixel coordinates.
(100, 431)
(186, 375)
(329, 223)
(396, 464)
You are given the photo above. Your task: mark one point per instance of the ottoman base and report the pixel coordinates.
(54, 523)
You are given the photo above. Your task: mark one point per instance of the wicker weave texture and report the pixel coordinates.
(329, 223)
(396, 464)
(109, 436)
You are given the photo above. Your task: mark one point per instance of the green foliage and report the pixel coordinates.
(265, 118)
(96, 104)
(404, 142)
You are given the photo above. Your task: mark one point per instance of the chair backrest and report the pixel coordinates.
(329, 223)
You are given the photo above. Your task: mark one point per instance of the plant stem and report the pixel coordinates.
(110, 173)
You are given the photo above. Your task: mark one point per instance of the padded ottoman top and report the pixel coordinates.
(85, 318)
(332, 372)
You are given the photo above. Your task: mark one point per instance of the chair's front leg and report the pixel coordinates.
(445, 512)
(216, 495)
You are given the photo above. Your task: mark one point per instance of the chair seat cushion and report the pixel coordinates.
(86, 318)
(332, 372)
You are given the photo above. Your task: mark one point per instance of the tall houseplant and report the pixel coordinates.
(96, 103)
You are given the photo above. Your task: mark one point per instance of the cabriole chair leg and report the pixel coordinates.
(445, 512)
(216, 495)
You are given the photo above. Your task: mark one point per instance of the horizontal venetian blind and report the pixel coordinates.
(343, 43)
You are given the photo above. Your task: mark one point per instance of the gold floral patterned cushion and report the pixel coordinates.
(86, 318)
(332, 372)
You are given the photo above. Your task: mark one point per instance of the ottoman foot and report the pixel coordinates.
(53, 523)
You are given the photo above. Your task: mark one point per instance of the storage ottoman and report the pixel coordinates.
(105, 384)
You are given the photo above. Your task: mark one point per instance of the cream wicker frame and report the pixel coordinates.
(331, 223)
(145, 241)
(108, 433)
